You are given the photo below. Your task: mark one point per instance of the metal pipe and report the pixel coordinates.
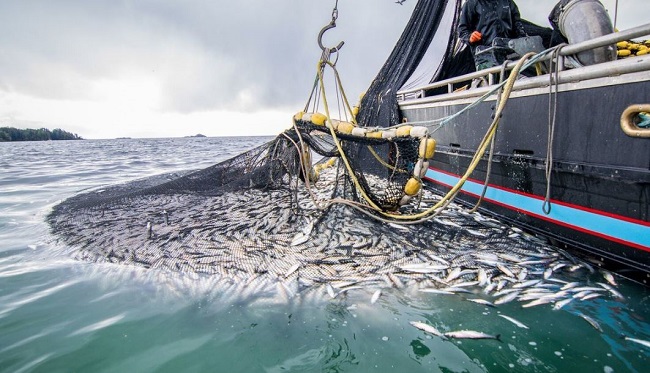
(605, 40)
(566, 51)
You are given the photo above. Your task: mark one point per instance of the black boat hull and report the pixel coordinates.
(599, 187)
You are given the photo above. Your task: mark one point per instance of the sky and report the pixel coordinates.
(169, 68)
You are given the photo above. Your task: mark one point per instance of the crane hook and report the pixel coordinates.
(320, 38)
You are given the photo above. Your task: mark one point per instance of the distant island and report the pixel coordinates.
(197, 135)
(41, 134)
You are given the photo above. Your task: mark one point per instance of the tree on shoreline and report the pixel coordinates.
(41, 134)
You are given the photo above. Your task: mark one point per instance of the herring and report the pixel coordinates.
(471, 334)
(639, 341)
(514, 321)
(427, 328)
(375, 297)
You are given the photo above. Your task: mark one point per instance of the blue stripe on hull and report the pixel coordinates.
(601, 225)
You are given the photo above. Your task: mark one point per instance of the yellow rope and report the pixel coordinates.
(473, 164)
(383, 163)
(335, 138)
(481, 150)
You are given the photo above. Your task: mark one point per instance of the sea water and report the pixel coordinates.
(62, 315)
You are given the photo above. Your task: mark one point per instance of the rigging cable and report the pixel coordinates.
(554, 83)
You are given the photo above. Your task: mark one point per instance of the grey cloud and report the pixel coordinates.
(209, 55)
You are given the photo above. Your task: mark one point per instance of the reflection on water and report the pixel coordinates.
(57, 314)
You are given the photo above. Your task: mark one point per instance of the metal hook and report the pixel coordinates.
(320, 38)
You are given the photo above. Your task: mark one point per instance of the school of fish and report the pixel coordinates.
(275, 246)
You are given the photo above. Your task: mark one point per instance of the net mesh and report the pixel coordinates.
(282, 211)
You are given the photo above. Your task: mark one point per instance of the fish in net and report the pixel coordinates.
(266, 224)
(325, 208)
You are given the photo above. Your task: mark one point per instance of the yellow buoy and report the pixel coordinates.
(418, 131)
(624, 52)
(412, 186)
(427, 148)
(403, 131)
(318, 119)
(634, 46)
(374, 135)
(298, 116)
(388, 134)
(345, 127)
(358, 131)
(355, 110)
(642, 52)
(622, 45)
(420, 169)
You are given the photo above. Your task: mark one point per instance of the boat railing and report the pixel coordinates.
(587, 72)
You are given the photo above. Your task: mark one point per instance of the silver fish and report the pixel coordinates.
(639, 341)
(610, 278)
(537, 302)
(427, 328)
(591, 321)
(436, 291)
(330, 291)
(455, 273)
(609, 288)
(547, 273)
(505, 270)
(514, 321)
(471, 334)
(482, 301)
(507, 298)
(292, 269)
(299, 238)
(562, 303)
(375, 297)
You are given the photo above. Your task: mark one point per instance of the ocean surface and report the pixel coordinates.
(58, 314)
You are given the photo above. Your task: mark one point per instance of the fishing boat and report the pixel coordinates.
(571, 158)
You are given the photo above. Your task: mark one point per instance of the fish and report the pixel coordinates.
(639, 341)
(562, 303)
(395, 280)
(471, 334)
(424, 268)
(613, 291)
(537, 302)
(592, 322)
(514, 321)
(454, 274)
(292, 269)
(570, 285)
(436, 291)
(330, 291)
(610, 278)
(482, 277)
(505, 270)
(299, 238)
(591, 296)
(547, 273)
(375, 297)
(507, 298)
(526, 284)
(427, 328)
(482, 301)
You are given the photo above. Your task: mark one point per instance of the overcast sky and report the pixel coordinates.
(162, 68)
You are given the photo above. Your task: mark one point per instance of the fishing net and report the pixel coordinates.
(316, 206)
(372, 167)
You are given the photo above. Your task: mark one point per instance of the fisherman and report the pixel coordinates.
(481, 21)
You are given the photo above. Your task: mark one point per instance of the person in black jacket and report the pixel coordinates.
(481, 21)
